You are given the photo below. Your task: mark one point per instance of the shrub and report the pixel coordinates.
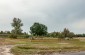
(13, 36)
(26, 36)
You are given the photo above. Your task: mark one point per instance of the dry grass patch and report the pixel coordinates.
(48, 46)
(44, 46)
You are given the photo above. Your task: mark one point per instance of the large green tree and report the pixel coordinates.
(17, 24)
(38, 29)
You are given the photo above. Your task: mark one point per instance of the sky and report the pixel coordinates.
(55, 14)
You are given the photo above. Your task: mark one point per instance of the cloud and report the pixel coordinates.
(80, 24)
(56, 14)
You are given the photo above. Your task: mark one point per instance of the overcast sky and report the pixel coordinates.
(55, 14)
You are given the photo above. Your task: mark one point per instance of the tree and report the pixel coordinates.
(66, 32)
(54, 34)
(38, 29)
(61, 36)
(8, 32)
(71, 35)
(17, 24)
(1, 32)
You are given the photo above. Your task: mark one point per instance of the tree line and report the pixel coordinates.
(37, 29)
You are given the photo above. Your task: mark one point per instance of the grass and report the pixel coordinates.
(44, 46)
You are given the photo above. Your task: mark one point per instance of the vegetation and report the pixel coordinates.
(47, 46)
(38, 29)
(64, 34)
(44, 46)
(64, 41)
(17, 26)
(13, 36)
(67, 33)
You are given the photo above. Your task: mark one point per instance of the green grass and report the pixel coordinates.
(46, 46)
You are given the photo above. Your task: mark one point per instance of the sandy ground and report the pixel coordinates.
(5, 50)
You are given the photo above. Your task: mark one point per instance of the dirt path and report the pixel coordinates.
(5, 50)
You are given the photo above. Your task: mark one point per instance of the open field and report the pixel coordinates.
(44, 46)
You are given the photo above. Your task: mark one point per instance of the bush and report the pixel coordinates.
(13, 36)
(61, 36)
(26, 36)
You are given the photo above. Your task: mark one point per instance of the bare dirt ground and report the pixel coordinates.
(5, 50)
